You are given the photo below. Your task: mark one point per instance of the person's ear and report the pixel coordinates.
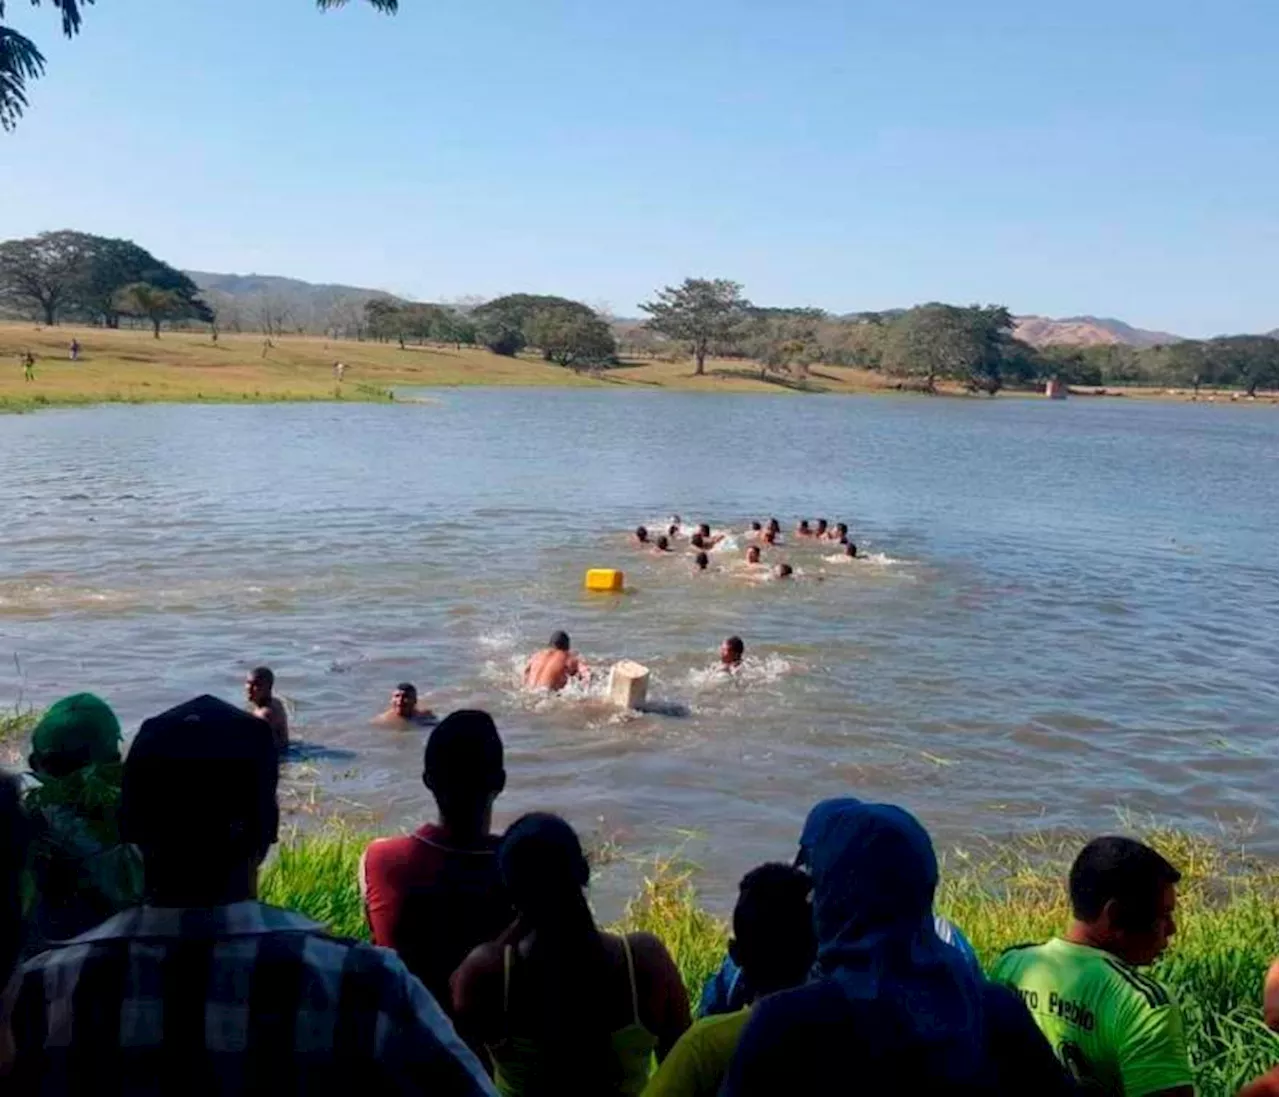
(1109, 916)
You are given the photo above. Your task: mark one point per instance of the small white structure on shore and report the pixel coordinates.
(1055, 389)
(628, 684)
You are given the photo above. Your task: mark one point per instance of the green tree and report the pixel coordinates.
(506, 325)
(569, 338)
(113, 264)
(784, 341)
(21, 61)
(702, 312)
(947, 341)
(44, 273)
(153, 303)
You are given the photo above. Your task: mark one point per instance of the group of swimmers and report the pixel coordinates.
(552, 667)
(759, 534)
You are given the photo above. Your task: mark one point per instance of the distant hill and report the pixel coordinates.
(1041, 331)
(241, 300)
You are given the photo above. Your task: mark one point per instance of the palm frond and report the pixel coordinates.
(20, 61)
(388, 6)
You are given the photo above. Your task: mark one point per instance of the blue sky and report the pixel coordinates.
(1116, 159)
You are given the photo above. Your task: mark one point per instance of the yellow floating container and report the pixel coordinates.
(605, 579)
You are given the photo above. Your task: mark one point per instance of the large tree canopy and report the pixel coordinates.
(702, 312)
(21, 61)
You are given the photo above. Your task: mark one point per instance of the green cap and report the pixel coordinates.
(77, 731)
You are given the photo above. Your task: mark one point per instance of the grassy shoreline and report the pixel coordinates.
(1000, 894)
(132, 367)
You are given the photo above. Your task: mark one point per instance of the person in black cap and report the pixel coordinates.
(203, 989)
(435, 894)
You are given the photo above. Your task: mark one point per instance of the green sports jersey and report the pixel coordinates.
(1118, 1031)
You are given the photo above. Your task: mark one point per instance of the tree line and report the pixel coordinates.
(76, 276)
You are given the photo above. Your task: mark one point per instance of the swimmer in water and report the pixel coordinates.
(697, 542)
(266, 706)
(840, 533)
(641, 535)
(404, 711)
(770, 536)
(773, 527)
(821, 530)
(701, 561)
(783, 571)
(755, 531)
(803, 530)
(709, 539)
(731, 653)
(553, 666)
(661, 545)
(753, 554)
(850, 553)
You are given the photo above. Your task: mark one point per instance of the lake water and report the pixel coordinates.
(1071, 607)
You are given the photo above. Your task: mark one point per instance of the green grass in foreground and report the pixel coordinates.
(1006, 894)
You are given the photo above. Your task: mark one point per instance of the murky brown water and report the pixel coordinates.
(1073, 608)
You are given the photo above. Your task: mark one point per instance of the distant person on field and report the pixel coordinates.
(1268, 1085)
(774, 945)
(435, 894)
(404, 710)
(553, 666)
(562, 1007)
(82, 871)
(729, 989)
(75, 350)
(339, 370)
(265, 705)
(893, 1009)
(205, 990)
(1117, 1030)
(731, 653)
(28, 366)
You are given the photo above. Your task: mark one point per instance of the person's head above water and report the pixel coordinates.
(559, 640)
(1123, 899)
(755, 527)
(696, 540)
(783, 571)
(770, 536)
(822, 527)
(753, 554)
(404, 701)
(259, 684)
(850, 549)
(773, 941)
(462, 765)
(673, 530)
(77, 731)
(704, 529)
(842, 528)
(642, 534)
(731, 651)
(803, 527)
(701, 561)
(199, 800)
(663, 545)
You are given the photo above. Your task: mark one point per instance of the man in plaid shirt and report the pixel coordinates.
(204, 990)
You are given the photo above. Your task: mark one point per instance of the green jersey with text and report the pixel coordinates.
(1118, 1031)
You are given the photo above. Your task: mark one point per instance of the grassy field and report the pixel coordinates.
(133, 367)
(999, 894)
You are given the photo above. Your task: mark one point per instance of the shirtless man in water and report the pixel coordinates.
(266, 706)
(553, 666)
(404, 711)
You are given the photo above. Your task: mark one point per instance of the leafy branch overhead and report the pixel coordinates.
(22, 62)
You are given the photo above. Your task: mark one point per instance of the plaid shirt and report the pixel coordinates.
(238, 999)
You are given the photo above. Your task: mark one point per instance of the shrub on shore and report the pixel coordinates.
(1003, 894)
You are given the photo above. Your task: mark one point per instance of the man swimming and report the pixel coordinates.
(661, 545)
(673, 530)
(753, 554)
(641, 535)
(840, 533)
(773, 527)
(701, 561)
(770, 536)
(553, 666)
(404, 711)
(821, 530)
(266, 706)
(783, 571)
(731, 653)
(803, 530)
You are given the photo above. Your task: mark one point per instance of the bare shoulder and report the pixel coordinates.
(649, 951)
(482, 962)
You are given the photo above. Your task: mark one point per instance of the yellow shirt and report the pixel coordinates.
(699, 1061)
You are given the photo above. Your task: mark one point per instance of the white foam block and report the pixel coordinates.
(628, 684)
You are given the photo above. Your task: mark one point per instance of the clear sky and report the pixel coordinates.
(1117, 158)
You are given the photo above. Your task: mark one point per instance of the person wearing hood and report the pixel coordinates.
(892, 1004)
(83, 872)
(728, 991)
